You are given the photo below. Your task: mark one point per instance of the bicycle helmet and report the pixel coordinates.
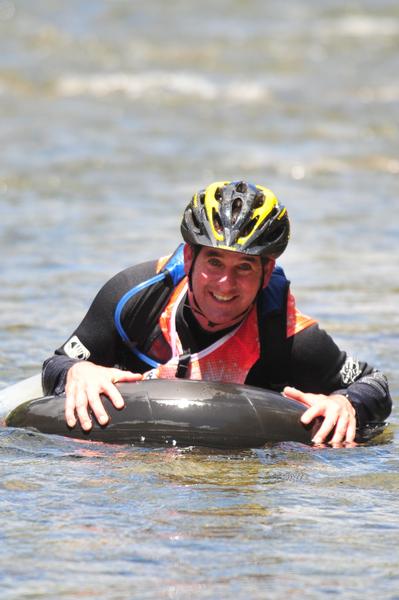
(237, 216)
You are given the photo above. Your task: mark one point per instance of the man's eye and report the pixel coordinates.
(214, 262)
(245, 267)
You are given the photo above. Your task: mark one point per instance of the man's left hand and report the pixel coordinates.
(338, 416)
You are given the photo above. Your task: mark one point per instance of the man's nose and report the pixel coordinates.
(227, 279)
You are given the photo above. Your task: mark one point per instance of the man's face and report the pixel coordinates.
(224, 284)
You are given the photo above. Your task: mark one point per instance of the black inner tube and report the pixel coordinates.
(182, 412)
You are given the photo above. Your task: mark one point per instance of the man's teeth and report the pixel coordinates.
(223, 298)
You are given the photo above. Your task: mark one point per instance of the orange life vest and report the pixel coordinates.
(230, 358)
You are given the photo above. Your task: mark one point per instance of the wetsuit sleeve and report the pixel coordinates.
(319, 366)
(96, 338)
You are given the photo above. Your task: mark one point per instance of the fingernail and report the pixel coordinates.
(71, 423)
(103, 419)
(86, 425)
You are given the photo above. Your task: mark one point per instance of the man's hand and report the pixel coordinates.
(338, 413)
(84, 383)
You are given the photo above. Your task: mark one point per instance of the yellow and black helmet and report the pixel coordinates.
(237, 216)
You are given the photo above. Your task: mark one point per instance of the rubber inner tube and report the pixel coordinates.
(182, 412)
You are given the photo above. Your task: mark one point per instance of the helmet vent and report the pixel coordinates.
(201, 198)
(217, 223)
(274, 212)
(259, 200)
(249, 227)
(274, 235)
(195, 221)
(236, 209)
(218, 194)
(241, 187)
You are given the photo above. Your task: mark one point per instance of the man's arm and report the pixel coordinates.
(84, 367)
(345, 392)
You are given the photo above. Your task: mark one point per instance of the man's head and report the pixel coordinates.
(234, 232)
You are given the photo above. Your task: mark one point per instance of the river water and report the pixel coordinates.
(112, 115)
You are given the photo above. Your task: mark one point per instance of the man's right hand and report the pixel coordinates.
(84, 383)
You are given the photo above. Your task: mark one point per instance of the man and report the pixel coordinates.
(221, 310)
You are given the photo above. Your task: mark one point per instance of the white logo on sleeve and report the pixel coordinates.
(350, 370)
(75, 349)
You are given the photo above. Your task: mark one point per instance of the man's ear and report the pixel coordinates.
(267, 271)
(188, 257)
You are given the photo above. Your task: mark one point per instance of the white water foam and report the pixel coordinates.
(158, 83)
(381, 94)
(361, 26)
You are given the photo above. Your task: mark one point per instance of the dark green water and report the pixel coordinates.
(112, 115)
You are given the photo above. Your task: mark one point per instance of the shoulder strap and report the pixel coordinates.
(275, 347)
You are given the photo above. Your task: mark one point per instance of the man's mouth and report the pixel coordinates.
(222, 297)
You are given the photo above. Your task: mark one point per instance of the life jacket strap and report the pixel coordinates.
(182, 367)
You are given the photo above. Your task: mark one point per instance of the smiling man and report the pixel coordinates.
(219, 309)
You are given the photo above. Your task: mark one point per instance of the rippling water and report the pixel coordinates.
(112, 115)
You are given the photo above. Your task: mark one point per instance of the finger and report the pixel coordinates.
(325, 429)
(291, 392)
(97, 407)
(311, 413)
(128, 376)
(114, 395)
(351, 430)
(305, 398)
(341, 428)
(70, 409)
(350, 444)
(120, 375)
(81, 410)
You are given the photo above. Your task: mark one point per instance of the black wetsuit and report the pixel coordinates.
(309, 360)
